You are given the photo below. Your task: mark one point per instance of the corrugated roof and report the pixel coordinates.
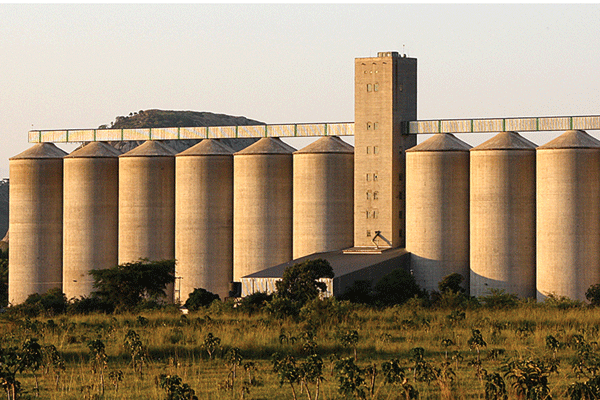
(151, 148)
(268, 145)
(441, 142)
(506, 141)
(40, 150)
(572, 140)
(342, 264)
(95, 150)
(327, 144)
(208, 147)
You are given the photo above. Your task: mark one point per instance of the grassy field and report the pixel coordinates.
(175, 345)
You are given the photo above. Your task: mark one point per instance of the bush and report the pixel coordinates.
(360, 292)
(52, 302)
(396, 288)
(200, 298)
(452, 283)
(593, 295)
(88, 305)
(499, 299)
(254, 302)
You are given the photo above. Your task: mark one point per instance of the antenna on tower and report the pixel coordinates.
(403, 51)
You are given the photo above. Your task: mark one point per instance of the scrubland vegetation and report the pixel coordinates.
(442, 345)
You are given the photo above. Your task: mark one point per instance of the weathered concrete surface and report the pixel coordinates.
(262, 207)
(323, 197)
(568, 215)
(503, 216)
(91, 213)
(36, 225)
(204, 219)
(437, 209)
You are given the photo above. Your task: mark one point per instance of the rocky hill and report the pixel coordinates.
(153, 119)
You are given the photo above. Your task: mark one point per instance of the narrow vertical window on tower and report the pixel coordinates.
(369, 126)
(375, 149)
(376, 87)
(369, 87)
(375, 195)
(368, 178)
(368, 195)
(374, 177)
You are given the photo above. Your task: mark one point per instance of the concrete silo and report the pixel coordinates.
(35, 221)
(91, 211)
(147, 204)
(323, 197)
(204, 219)
(503, 216)
(437, 209)
(262, 206)
(568, 215)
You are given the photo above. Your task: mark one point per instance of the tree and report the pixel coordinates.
(300, 281)
(298, 286)
(200, 298)
(452, 283)
(396, 288)
(126, 285)
(593, 295)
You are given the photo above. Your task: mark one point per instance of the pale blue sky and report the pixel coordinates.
(80, 66)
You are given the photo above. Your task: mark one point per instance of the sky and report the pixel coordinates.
(74, 66)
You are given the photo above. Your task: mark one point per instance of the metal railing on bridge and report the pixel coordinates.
(478, 125)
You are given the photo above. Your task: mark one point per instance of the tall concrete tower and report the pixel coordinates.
(385, 97)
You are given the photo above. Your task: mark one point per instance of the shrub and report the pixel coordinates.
(200, 298)
(499, 299)
(396, 288)
(452, 283)
(593, 295)
(254, 302)
(360, 292)
(87, 305)
(52, 302)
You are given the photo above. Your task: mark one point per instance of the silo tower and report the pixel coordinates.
(437, 209)
(323, 197)
(204, 219)
(36, 221)
(147, 204)
(503, 216)
(91, 211)
(568, 215)
(262, 206)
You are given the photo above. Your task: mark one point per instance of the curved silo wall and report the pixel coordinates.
(568, 215)
(35, 221)
(323, 203)
(204, 219)
(503, 216)
(262, 207)
(91, 210)
(147, 204)
(437, 209)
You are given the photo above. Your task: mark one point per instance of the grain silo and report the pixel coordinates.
(503, 216)
(568, 215)
(91, 211)
(437, 209)
(204, 219)
(147, 204)
(35, 221)
(262, 206)
(323, 197)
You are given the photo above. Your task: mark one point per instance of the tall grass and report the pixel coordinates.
(175, 347)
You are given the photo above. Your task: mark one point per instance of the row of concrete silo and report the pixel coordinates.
(505, 214)
(220, 214)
